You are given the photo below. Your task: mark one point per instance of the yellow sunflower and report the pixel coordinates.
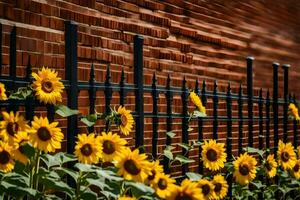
(286, 155)
(244, 169)
(207, 189)
(133, 166)
(155, 168)
(187, 191)
(45, 136)
(6, 157)
(221, 187)
(88, 149)
(21, 138)
(163, 185)
(296, 170)
(298, 151)
(294, 111)
(112, 145)
(126, 121)
(213, 155)
(11, 124)
(271, 166)
(197, 102)
(48, 86)
(3, 96)
(126, 198)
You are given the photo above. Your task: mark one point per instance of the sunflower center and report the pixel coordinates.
(124, 120)
(285, 156)
(212, 155)
(44, 134)
(130, 167)
(152, 176)
(205, 189)
(108, 147)
(12, 128)
(244, 169)
(162, 184)
(4, 157)
(296, 168)
(268, 166)
(86, 150)
(218, 187)
(47, 86)
(183, 197)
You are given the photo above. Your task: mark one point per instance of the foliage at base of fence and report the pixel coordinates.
(104, 167)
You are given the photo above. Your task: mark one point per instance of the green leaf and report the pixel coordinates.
(183, 160)
(63, 171)
(169, 148)
(109, 175)
(168, 154)
(140, 186)
(87, 122)
(57, 185)
(86, 167)
(64, 157)
(88, 194)
(171, 134)
(65, 111)
(21, 94)
(193, 176)
(197, 113)
(98, 183)
(185, 146)
(254, 150)
(50, 160)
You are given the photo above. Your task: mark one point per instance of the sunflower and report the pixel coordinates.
(163, 185)
(126, 198)
(298, 151)
(112, 145)
(21, 138)
(187, 191)
(286, 155)
(44, 135)
(220, 187)
(244, 169)
(197, 102)
(207, 189)
(125, 121)
(133, 166)
(155, 168)
(10, 126)
(6, 155)
(48, 86)
(271, 166)
(296, 170)
(3, 96)
(294, 111)
(87, 149)
(213, 155)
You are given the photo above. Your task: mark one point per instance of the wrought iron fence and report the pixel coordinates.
(268, 105)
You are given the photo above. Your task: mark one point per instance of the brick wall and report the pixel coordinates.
(196, 39)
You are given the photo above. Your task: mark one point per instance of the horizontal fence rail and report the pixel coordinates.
(268, 106)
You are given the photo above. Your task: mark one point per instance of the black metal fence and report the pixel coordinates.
(268, 105)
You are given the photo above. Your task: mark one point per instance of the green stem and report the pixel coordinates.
(78, 186)
(36, 170)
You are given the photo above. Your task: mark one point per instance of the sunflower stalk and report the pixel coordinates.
(36, 170)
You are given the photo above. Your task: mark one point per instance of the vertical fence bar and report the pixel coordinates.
(200, 131)
(122, 88)
(295, 126)
(215, 110)
(240, 118)
(250, 99)
(155, 116)
(200, 127)
(139, 90)
(286, 99)
(169, 97)
(268, 120)
(12, 66)
(50, 112)
(108, 95)
(275, 104)
(71, 76)
(0, 49)
(92, 94)
(29, 102)
(185, 122)
(261, 123)
(229, 134)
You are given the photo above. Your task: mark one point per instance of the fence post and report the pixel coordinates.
(0, 48)
(250, 99)
(71, 76)
(155, 116)
(275, 104)
(240, 117)
(215, 110)
(295, 127)
(108, 95)
(139, 90)
(12, 66)
(286, 99)
(268, 120)
(122, 92)
(92, 94)
(185, 122)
